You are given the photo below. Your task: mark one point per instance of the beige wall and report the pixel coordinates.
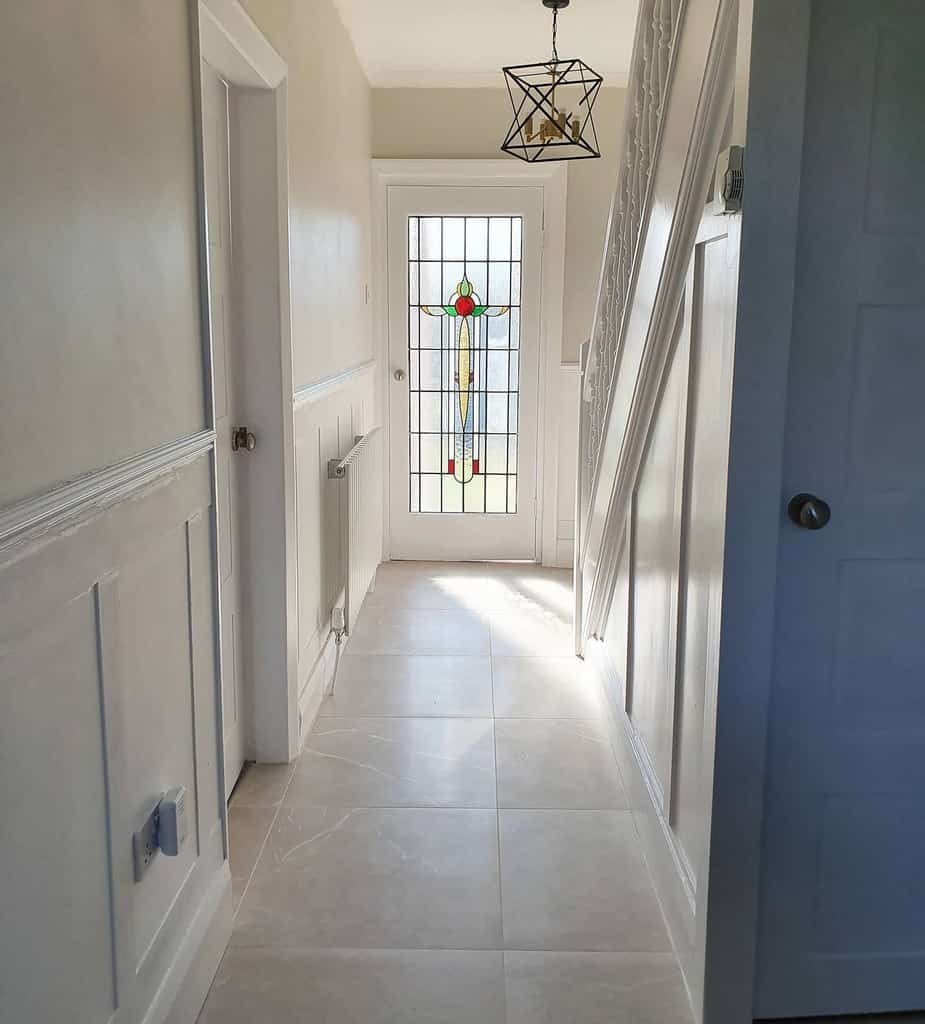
(100, 354)
(329, 220)
(470, 123)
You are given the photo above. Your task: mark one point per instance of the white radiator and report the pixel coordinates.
(360, 475)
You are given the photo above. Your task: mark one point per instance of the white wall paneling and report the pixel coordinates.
(657, 398)
(109, 698)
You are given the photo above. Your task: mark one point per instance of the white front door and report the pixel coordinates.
(215, 121)
(464, 268)
(843, 902)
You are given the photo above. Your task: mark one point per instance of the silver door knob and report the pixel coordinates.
(399, 375)
(241, 437)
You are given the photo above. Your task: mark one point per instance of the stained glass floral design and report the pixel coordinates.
(463, 347)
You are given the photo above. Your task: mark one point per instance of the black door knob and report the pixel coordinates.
(808, 511)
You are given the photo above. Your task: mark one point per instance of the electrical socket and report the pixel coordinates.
(144, 844)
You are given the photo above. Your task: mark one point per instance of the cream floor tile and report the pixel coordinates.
(397, 762)
(529, 632)
(472, 586)
(376, 684)
(247, 829)
(551, 687)
(556, 764)
(399, 878)
(262, 785)
(594, 988)
(299, 986)
(576, 880)
(391, 630)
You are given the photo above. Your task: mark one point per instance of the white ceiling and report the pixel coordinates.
(433, 43)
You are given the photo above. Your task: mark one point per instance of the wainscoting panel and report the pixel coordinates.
(658, 662)
(107, 660)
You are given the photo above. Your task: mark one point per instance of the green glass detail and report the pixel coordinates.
(465, 287)
(479, 310)
(450, 311)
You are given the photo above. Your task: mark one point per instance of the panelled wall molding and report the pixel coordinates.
(72, 503)
(321, 389)
(654, 399)
(108, 658)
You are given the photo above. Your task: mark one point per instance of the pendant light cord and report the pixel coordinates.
(555, 27)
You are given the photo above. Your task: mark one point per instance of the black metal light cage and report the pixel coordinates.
(562, 134)
(532, 88)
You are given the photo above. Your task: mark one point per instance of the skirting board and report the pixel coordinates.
(316, 686)
(184, 989)
(657, 843)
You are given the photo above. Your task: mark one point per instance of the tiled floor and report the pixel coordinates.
(453, 846)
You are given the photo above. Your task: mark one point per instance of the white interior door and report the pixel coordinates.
(843, 918)
(464, 267)
(215, 117)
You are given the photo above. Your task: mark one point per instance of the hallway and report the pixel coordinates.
(454, 844)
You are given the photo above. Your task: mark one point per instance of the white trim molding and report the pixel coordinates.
(554, 182)
(231, 42)
(90, 494)
(320, 389)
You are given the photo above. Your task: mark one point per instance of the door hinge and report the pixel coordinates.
(729, 184)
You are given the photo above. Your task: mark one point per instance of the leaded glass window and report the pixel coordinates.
(464, 276)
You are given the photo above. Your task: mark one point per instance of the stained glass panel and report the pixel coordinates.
(463, 350)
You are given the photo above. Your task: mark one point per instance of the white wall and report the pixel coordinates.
(329, 194)
(108, 675)
(98, 248)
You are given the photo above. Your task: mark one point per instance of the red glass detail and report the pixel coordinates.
(451, 466)
(475, 466)
(464, 305)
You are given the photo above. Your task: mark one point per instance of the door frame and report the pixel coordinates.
(552, 178)
(225, 36)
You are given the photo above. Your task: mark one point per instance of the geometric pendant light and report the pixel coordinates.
(552, 103)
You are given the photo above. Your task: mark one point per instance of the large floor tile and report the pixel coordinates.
(401, 878)
(262, 785)
(427, 684)
(551, 687)
(576, 880)
(390, 630)
(396, 762)
(594, 988)
(556, 764)
(529, 632)
(299, 986)
(247, 829)
(472, 586)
